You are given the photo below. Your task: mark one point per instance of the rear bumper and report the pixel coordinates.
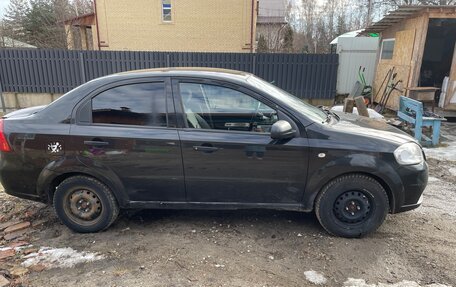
(18, 177)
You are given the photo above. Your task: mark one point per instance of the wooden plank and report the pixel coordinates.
(418, 50)
(362, 109)
(451, 86)
(348, 105)
(403, 47)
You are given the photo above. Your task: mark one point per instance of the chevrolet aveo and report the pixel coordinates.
(206, 138)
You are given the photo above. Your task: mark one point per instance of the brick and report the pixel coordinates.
(16, 227)
(31, 213)
(14, 235)
(37, 268)
(30, 250)
(7, 253)
(18, 244)
(8, 224)
(18, 271)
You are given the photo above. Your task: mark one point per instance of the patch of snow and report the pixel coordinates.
(452, 171)
(315, 277)
(19, 248)
(60, 257)
(433, 179)
(447, 152)
(352, 282)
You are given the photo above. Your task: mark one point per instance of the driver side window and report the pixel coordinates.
(221, 108)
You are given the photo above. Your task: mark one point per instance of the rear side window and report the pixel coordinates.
(141, 104)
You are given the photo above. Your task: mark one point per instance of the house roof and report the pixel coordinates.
(82, 20)
(404, 12)
(271, 20)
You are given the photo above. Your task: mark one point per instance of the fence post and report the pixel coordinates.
(254, 64)
(167, 60)
(2, 99)
(81, 66)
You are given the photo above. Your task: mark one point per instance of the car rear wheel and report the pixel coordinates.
(352, 205)
(84, 204)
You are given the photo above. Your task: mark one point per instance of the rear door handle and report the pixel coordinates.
(205, 148)
(96, 143)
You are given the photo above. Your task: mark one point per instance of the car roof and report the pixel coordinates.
(187, 72)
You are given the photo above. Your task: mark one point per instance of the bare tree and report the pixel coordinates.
(15, 16)
(41, 22)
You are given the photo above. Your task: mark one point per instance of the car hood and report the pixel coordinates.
(367, 127)
(24, 112)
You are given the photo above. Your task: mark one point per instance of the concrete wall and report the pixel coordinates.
(15, 101)
(196, 26)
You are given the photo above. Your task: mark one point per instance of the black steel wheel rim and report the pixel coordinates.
(83, 206)
(353, 207)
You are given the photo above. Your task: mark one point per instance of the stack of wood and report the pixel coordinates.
(350, 102)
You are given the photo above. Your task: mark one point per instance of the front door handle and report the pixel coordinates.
(205, 148)
(96, 143)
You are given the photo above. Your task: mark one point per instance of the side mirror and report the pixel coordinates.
(282, 130)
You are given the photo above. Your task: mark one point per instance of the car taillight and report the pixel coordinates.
(4, 146)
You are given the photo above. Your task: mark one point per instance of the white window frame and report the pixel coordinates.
(162, 7)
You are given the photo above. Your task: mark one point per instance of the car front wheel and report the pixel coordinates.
(84, 204)
(352, 205)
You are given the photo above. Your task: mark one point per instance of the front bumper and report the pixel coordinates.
(414, 180)
(408, 207)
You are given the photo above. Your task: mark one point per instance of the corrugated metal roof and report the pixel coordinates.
(404, 12)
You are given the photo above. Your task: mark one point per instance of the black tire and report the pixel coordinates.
(352, 205)
(85, 205)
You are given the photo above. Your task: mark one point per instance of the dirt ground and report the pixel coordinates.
(244, 248)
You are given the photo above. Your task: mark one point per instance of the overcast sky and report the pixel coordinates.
(3, 4)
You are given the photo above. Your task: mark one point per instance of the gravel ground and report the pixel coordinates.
(248, 248)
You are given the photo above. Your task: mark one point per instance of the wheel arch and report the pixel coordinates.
(49, 179)
(315, 188)
(382, 182)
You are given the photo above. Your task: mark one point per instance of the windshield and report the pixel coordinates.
(313, 113)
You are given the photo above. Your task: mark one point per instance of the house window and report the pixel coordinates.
(166, 11)
(387, 49)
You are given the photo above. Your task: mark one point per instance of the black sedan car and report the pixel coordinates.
(206, 138)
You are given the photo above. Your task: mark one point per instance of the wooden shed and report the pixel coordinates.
(419, 42)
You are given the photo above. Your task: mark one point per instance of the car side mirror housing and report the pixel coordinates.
(282, 130)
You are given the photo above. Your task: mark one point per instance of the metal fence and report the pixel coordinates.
(310, 76)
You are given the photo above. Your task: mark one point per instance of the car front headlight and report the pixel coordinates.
(408, 154)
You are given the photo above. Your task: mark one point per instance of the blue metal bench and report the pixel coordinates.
(411, 111)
